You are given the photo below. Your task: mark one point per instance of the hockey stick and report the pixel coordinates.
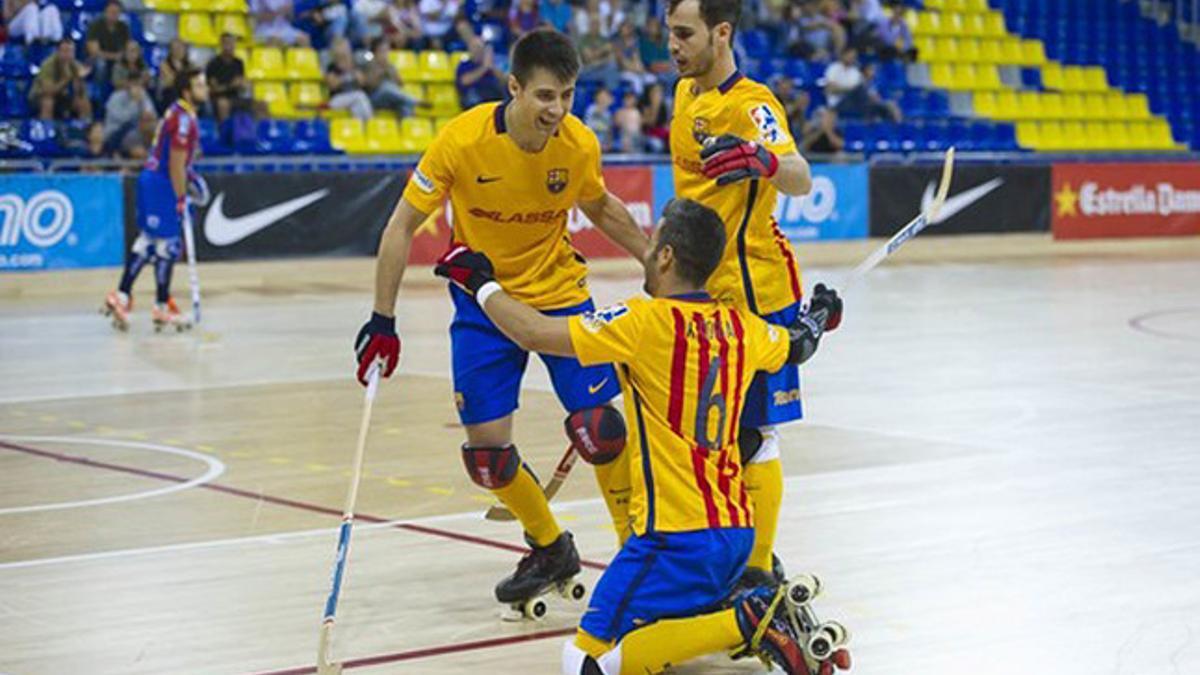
(189, 239)
(325, 666)
(500, 512)
(912, 229)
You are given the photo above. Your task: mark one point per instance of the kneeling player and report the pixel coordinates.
(685, 362)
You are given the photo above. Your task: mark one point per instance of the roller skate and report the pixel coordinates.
(824, 641)
(543, 571)
(754, 577)
(167, 315)
(118, 306)
(769, 633)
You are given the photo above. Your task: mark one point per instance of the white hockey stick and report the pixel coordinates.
(189, 240)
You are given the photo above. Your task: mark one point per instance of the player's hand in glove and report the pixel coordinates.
(826, 307)
(197, 189)
(729, 158)
(467, 269)
(377, 340)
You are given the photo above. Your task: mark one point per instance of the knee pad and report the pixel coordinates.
(758, 445)
(597, 434)
(749, 443)
(492, 468)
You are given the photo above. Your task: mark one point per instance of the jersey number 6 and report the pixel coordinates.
(710, 399)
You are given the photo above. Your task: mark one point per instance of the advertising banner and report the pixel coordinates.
(52, 221)
(1126, 200)
(836, 208)
(982, 199)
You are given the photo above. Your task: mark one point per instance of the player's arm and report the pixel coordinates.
(613, 218)
(177, 167)
(529, 328)
(794, 176)
(392, 258)
(824, 314)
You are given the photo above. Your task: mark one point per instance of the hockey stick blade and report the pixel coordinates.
(500, 512)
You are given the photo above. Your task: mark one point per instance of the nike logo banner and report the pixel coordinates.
(982, 198)
(276, 215)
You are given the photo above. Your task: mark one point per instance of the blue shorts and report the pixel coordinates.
(488, 367)
(156, 214)
(666, 575)
(774, 398)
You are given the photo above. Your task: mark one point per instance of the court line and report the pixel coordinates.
(452, 648)
(282, 501)
(215, 469)
(1138, 323)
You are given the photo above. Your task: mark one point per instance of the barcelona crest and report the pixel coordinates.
(700, 130)
(556, 180)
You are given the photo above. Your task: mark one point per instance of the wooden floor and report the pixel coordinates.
(999, 473)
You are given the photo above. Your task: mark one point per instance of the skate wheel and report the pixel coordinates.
(802, 589)
(837, 632)
(841, 659)
(824, 639)
(577, 590)
(535, 609)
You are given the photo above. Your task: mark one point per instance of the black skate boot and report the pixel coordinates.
(754, 577)
(541, 569)
(762, 616)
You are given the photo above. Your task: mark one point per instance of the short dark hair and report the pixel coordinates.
(183, 81)
(544, 48)
(716, 11)
(696, 236)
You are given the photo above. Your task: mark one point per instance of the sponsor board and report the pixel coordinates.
(993, 198)
(1126, 200)
(837, 207)
(60, 222)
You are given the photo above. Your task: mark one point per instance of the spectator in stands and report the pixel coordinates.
(895, 37)
(438, 18)
(599, 117)
(137, 145)
(652, 45)
(123, 113)
(629, 58)
(226, 75)
(628, 122)
(795, 102)
(59, 91)
(477, 78)
(813, 35)
(27, 20)
(598, 56)
(131, 68)
(383, 82)
(106, 41)
(324, 20)
(822, 136)
(345, 83)
(851, 93)
(273, 23)
(556, 14)
(404, 27)
(656, 119)
(600, 13)
(862, 21)
(176, 62)
(522, 18)
(93, 146)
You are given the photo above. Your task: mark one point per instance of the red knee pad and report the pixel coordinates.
(492, 468)
(597, 434)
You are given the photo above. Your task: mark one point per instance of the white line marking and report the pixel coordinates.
(215, 469)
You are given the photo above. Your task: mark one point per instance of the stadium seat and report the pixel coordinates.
(236, 6)
(1072, 78)
(275, 96)
(1052, 106)
(1033, 53)
(1095, 106)
(197, 29)
(312, 136)
(306, 97)
(1118, 135)
(266, 63)
(968, 50)
(303, 64)
(275, 137)
(972, 25)
(1011, 52)
(1139, 106)
(160, 28)
(928, 23)
(1029, 105)
(993, 25)
(1051, 136)
(1117, 105)
(346, 134)
(1095, 79)
(984, 103)
(234, 24)
(1008, 106)
(1159, 135)
(414, 90)
(1029, 135)
(1097, 137)
(435, 66)
(416, 134)
(162, 5)
(1074, 137)
(990, 51)
(444, 99)
(405, 63)
(383, 136)
(1072, 106)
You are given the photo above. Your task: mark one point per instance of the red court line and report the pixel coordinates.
(432, 651)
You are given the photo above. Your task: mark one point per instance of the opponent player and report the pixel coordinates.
(685, 362)
(732, 151)
(513, 172)
(162, 191)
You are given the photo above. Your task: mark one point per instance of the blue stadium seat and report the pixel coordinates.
(756, 43)
(312, 137)
(210, 139)
(13, 62)
(45, 137)
(16, 99)
(275, 138)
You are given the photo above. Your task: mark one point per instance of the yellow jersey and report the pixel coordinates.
(758, 270)
(513, 205)
(684, 364)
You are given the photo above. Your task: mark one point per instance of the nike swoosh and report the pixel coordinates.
(959, 201)
(487, 179)
(598, 386)
(221, 230)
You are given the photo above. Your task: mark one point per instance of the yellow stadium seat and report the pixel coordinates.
(1033, 53)
(1073, 136)
(1118, 107)
(950, 5)
(1029, 105)
(242, 53)
(993, 25)
(990, 52)
(236, 6)
(307, 96)
(928, 23)
(1139, 106)
(952, 24)
(1052, 107)
(945, 49)
(436, 66)
(987, 77)
(927, 48)
(942, 75)
(1118, 135)
(1097, 137)
(197, 29)
(275, 95)
(1095, 79)
(975, 6)
(162, 5)
(968, 50)
(196, 6)
(302, 64)
(973, 25)
(1073, 106)
(1008, 107)
(1159, 135)
(234, 24)
(414, 90)
(1051, 135)
(1072, 78)
(1052, 76)
(383, 135)
(405, 63)
(416, 134)
(266, 63)
(1010, 52)
(444, 98)
(346, 134)
(984, 103)
(939, 5)
(1095, 107)
(1029, 135)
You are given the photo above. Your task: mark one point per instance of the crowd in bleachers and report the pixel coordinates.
(89, 78)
